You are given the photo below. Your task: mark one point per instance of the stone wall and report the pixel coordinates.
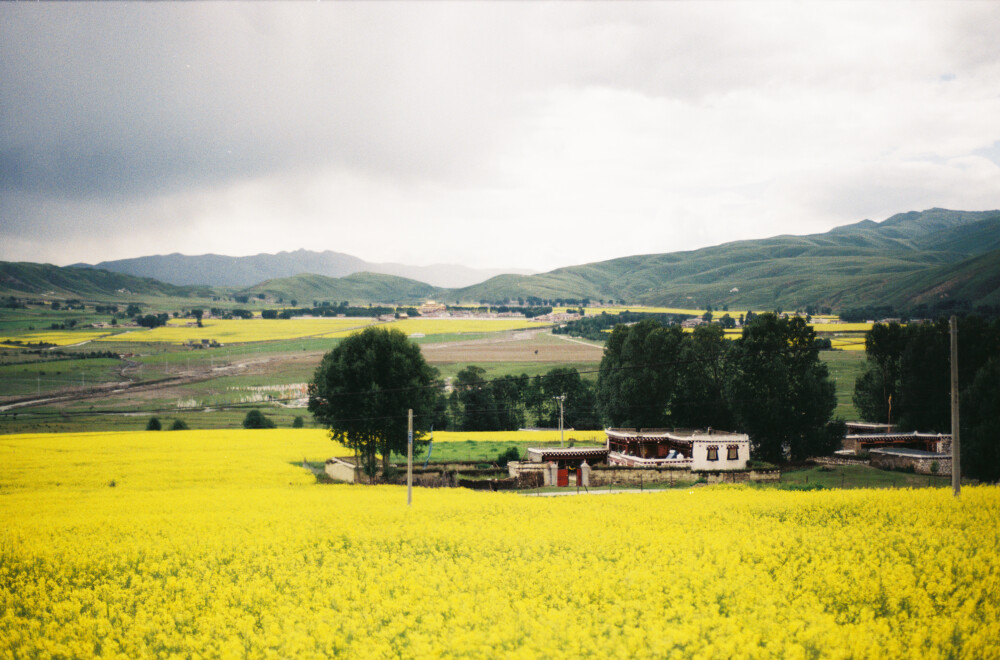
(601, 475)
(920, 465)
(339, 470)
(740, 477)
(838, 460)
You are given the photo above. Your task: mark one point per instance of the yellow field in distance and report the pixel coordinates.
(447, 326)
(57, 337)
(229, 331)
(179, 331)
(219, 544)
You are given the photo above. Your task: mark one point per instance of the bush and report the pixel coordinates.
(153, 424)
(298, 422)
(179, 425)
(256, 420)
(504, 457)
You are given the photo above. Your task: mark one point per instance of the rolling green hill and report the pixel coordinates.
(895, 261)
(30, 279)
(357, 288)
(910, 258)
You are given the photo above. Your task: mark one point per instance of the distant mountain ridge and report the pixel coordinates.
(862, 263)
(355, 288)
(221, 270)
(911, 258)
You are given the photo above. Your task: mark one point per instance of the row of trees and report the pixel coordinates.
(770, 383)
(507, 403)
(907, 383)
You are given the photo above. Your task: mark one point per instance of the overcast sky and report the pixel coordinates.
(531, 135)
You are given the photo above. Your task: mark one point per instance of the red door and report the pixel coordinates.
(579, 477)
(563, 478)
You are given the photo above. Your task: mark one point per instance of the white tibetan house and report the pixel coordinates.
(707, 450)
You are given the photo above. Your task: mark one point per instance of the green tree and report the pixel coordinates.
(298, 422)
(153, 424)
(580, 407)
(925, 380)
(700, 399)
(508, 394)
(638, 374)
(255, 419)
(980, 415)
(363, 388)
(477, 402)
(781, 392)
(179, 425)
(877, 389)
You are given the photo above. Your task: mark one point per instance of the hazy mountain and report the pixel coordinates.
(221, 270)
(355, 288)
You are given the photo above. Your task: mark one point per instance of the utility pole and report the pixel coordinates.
(956, 456)
(409, 457)
(561, 399)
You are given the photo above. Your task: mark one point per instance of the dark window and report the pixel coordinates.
(713, 453)
(733, 453)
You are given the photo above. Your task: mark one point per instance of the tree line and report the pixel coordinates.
(907, 383)
(594, 326)
(769, 383)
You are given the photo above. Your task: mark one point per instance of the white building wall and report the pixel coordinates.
(700, 450)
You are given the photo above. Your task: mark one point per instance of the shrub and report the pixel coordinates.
(256, 420)
(298, 422)
(511, 454)
(153, 424)
(179, 425)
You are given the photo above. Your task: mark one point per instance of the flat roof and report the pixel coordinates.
(569, 451)
(912, 453)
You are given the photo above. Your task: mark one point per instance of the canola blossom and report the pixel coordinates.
(56, 337)
(218, 543)
(229, 331)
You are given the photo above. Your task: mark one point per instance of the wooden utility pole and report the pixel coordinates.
(956, 455)
(560, 399)
(409, 458)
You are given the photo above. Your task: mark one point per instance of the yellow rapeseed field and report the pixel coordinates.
(57, 337)
(228, 331)
(178, 331)
(209, 544)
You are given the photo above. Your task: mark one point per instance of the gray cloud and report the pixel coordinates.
(179, 126)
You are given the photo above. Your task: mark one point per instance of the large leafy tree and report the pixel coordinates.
(980, 417)
(876, 391)
(474, 400)
(579, 409)
(639, 371)
(925, 380)
(781, 392)
(508, 393)
(363, 388)
(700, 400)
